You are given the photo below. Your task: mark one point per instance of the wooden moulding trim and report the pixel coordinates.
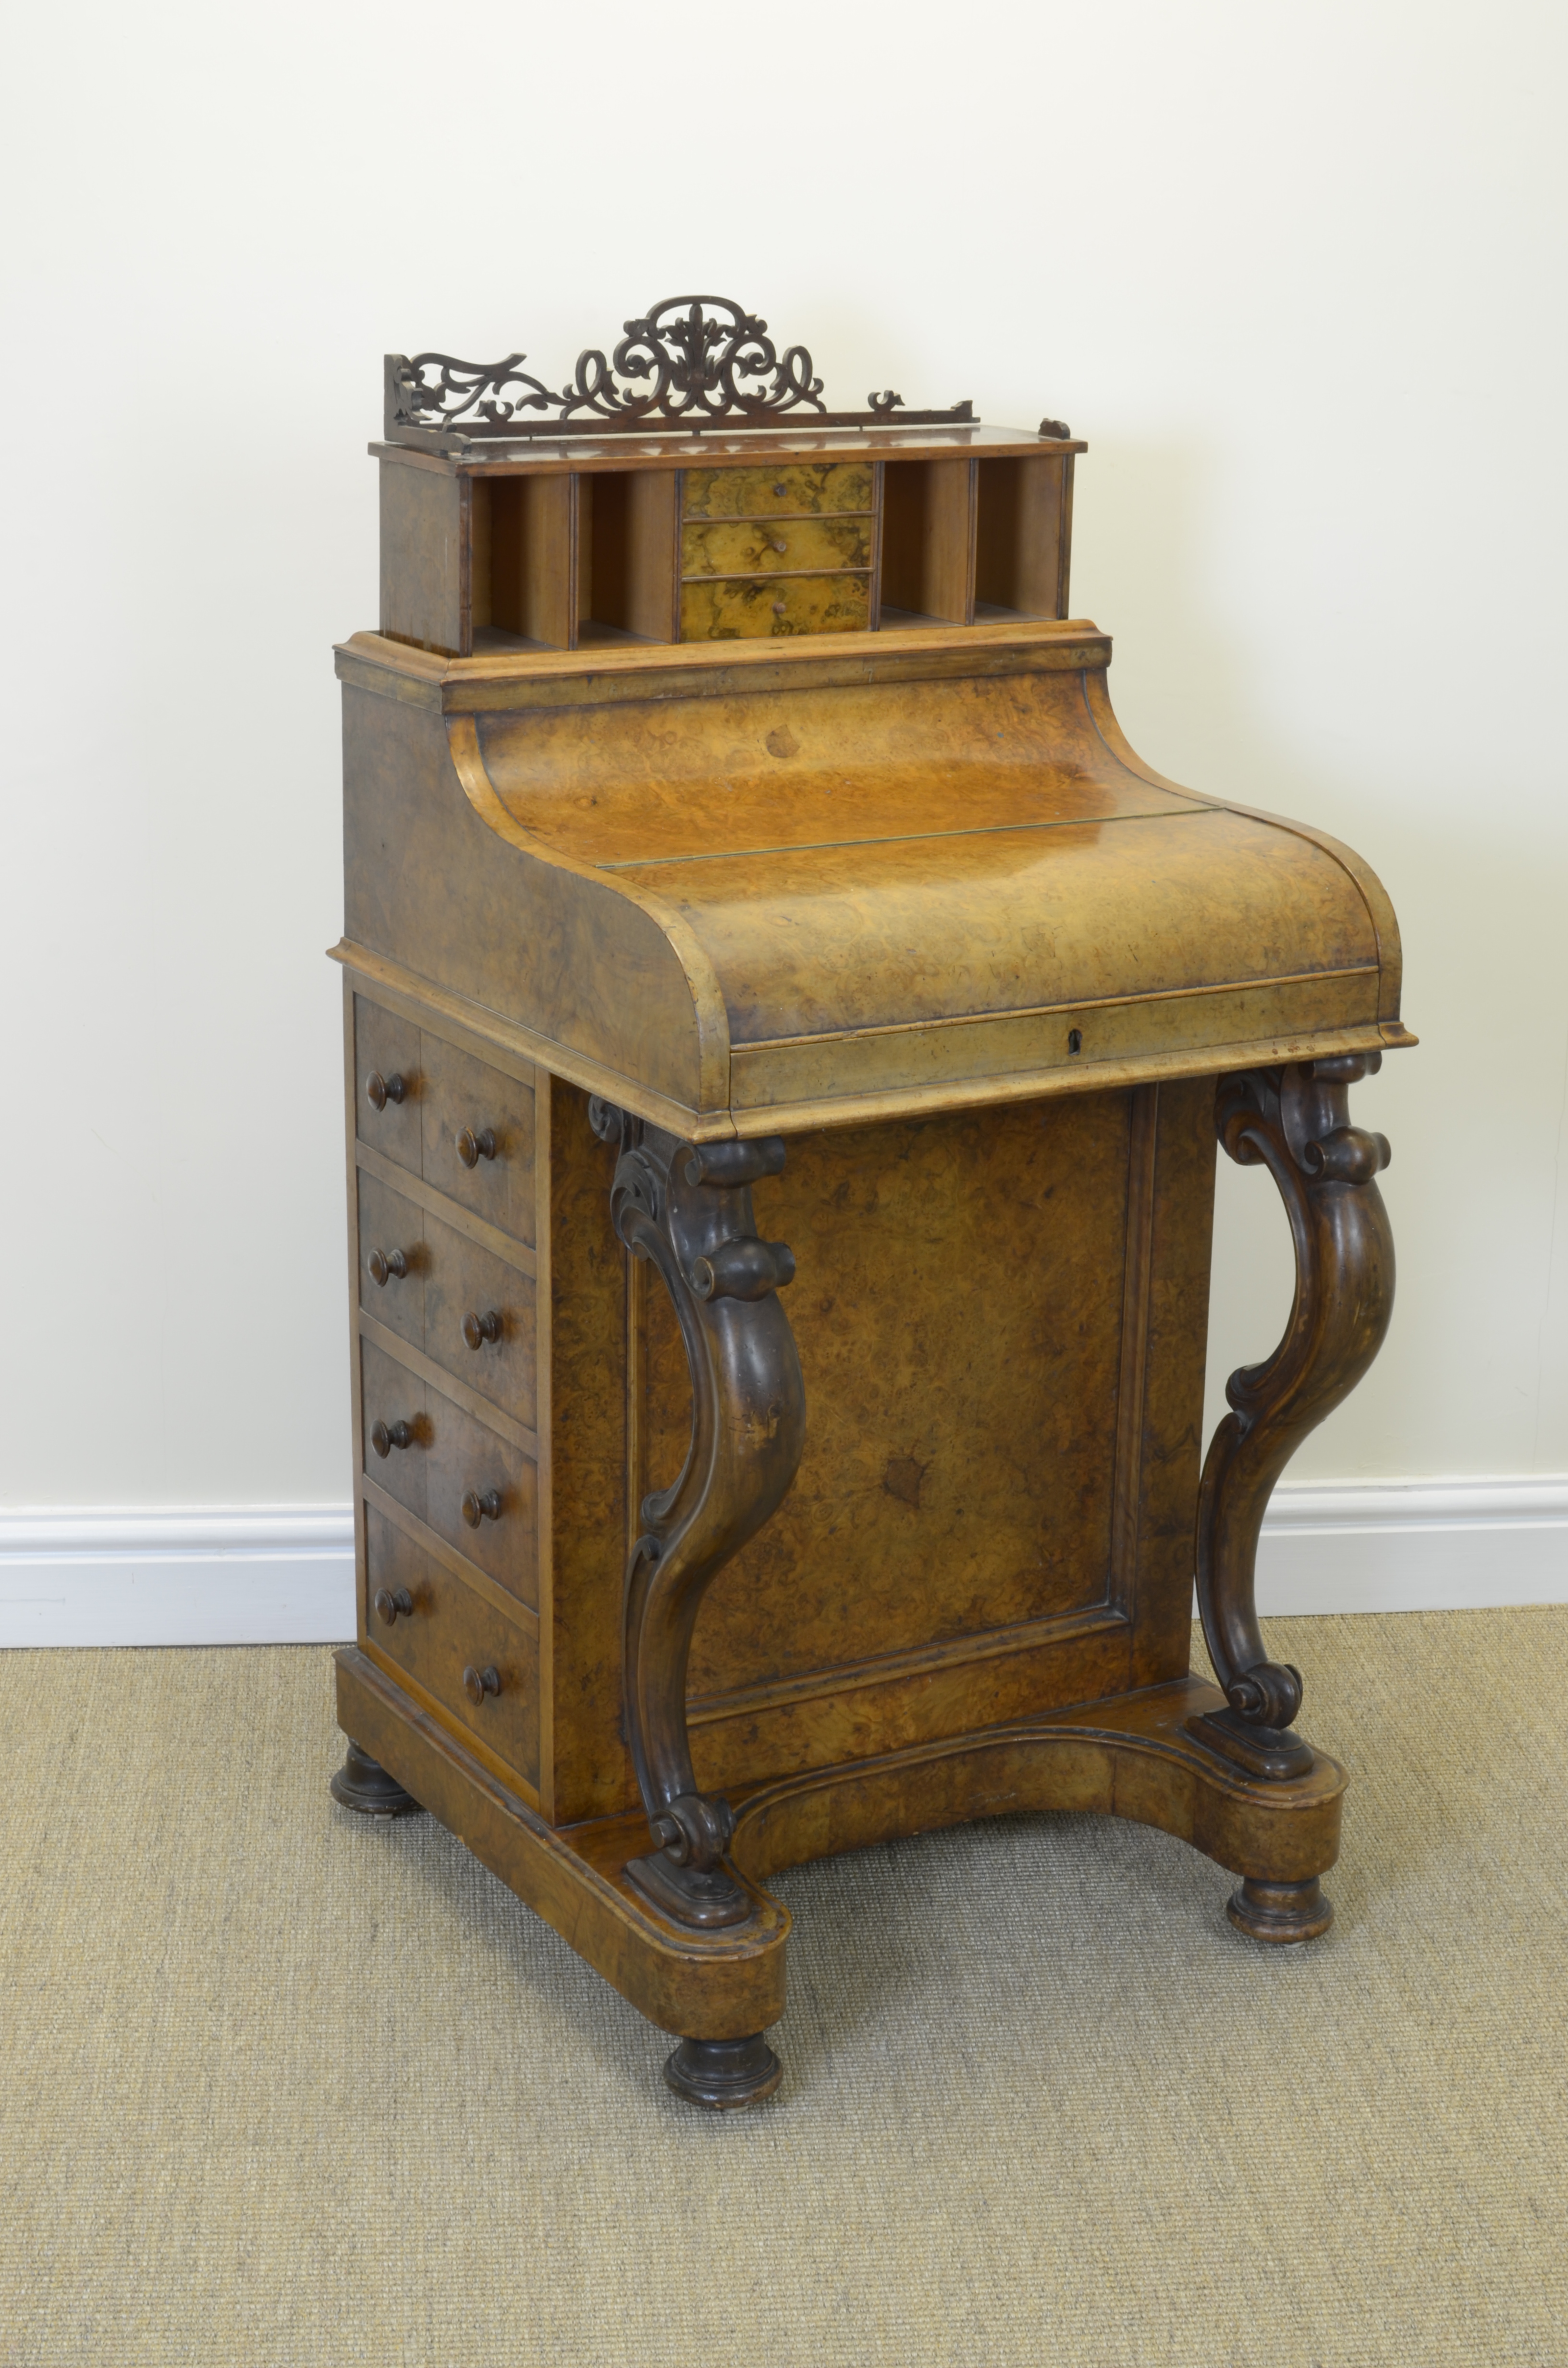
(436, 1377)
(603, 673)
(1051, 1011)
(440, 1549)
(1373, 894)
(710, 1012)
(421, 1000)
(892, 1668)
(1137, 1291)
(1131, 1757)
(713, 1986)
(1072, 1076)
(766, 447)
(506, 1246)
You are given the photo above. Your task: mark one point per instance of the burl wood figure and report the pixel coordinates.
(788, 1031)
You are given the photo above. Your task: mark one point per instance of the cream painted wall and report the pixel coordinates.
(1295, 274)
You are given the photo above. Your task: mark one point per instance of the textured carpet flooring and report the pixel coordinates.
(282, 2085)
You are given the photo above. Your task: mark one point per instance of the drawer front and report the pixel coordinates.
(477, 1128)
(462, 1280)
(386, 1053)
(501, 1485)
(755, 546)
(392, 1233)
(451, 1629)
(773, 492)
(390, 1394)
(732, 608)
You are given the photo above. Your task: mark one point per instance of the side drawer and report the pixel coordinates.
(450, 1630)
(479, 1320)
(477, 1127)
(386, 1082)
(392, 1236)
(732, 608)
(390, 1395)
(469, 1465)
(770, 493)
(757, 546)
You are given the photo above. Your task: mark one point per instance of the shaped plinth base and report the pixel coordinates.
(724, 2074)
(1275, 1753)
(362, 1783)
(1282, 1913)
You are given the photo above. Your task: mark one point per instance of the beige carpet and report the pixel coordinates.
(285, 2087)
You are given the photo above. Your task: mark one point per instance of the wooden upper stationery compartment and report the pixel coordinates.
(766, 777)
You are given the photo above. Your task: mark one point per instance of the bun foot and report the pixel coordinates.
(725, 2073)
(362, 1783)
(1280, 1912)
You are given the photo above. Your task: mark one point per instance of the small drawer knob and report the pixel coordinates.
(388, 1435)
(393, 1603)
(381, 1090)
(387, 1266)
(780, 491)
(778, 607)
(473, 1148)
(780, 545)
(477, 1683)
(478, 1329)
(482, 1505)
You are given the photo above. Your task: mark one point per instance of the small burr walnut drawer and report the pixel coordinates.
(478, 1662)
(465, 1127)
(474, 1488)
(470, 1312)
(796, 488)
(764, 546)
(739, 607)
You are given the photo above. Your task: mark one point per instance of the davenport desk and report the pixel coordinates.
(788, 1031)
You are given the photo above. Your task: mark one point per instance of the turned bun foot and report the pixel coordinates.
(363, 1783)
(725, 2073)
(1280, 1912)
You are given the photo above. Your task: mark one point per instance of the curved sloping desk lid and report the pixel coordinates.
(928, 875)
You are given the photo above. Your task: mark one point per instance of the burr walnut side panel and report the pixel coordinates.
(958, 1306)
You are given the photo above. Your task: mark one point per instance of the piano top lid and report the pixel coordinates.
(939, 877)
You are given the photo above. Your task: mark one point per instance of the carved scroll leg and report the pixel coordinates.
(1296, 1122)
(689, 1209)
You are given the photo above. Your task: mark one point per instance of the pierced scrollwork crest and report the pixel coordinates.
(687, 363)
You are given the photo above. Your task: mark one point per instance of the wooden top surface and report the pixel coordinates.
(761, 446)
(913, 871)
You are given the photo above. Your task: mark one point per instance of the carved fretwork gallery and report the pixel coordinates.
(674, 925)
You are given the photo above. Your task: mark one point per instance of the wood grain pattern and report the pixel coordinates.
(763, 546)
(727, 609)
(781, 489)
(452, 1628)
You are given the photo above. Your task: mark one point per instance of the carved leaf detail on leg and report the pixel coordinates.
(687, 1210)
(1295, 1122)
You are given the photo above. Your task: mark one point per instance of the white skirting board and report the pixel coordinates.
(284, 1574)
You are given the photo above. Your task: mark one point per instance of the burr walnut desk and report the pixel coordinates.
(786, 1034)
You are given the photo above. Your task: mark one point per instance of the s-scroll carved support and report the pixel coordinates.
(1296, 1122)
(687, 1209)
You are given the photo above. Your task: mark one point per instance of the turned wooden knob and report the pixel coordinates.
(392, 1602)
(780, 491)
(478, 1329)
(382, 1090)
(387, 1264)
(779, 606)
(473, 1148)
(386, 1436)
(482, 1506)
(780, 545)
(477, 1683)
